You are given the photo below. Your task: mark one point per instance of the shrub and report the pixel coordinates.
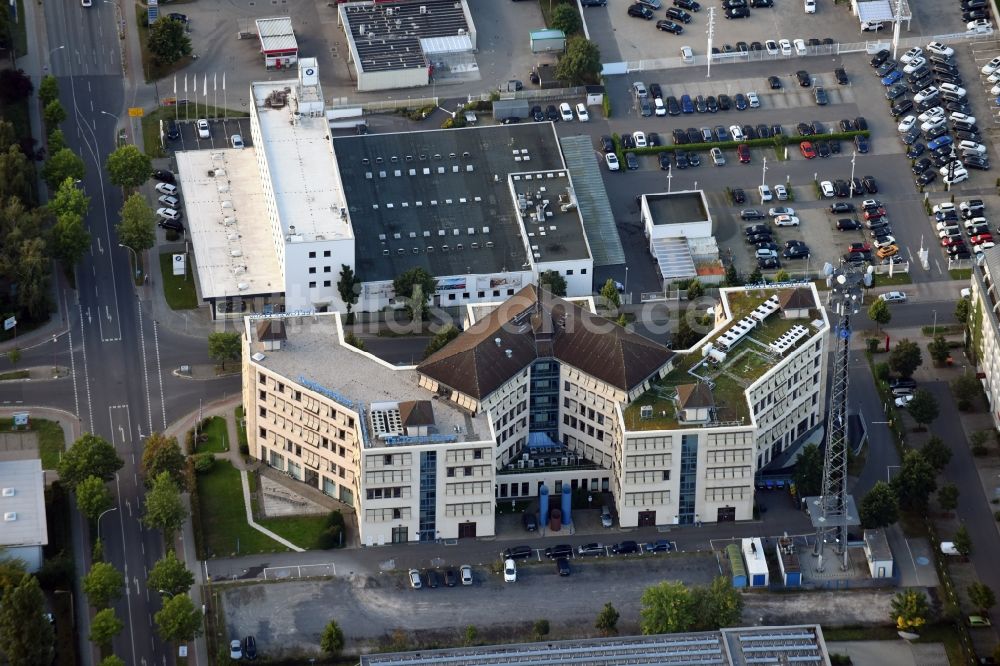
(189, 442)
(979, 450)
(882, 371)
(173, 236)
(203, 463)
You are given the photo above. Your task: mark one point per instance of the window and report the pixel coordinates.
(387, 460)
(312, 255)
(312, 270)
(482, 294)
(326, 283)
(312, 285)
(477, 454)
(451, 297)
(467, 471)
(465, 294)
(262, 394)
(326, 269)
(569, 271)
(326, 253)
(396, 514)
(261, 378)
(496, 292)
(583, 271)
(510, 292)
(262, 432)
(451, 472)
(263, 411)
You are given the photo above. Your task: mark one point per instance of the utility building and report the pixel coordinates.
(277, 42)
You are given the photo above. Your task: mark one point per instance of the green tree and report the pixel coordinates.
(938, 349)
(224, 346)
(981, 596)
(581, 63)
(62, 164)
(178, 621)
(170, 575)
(26, 635)
(69, 199)
(782, 276)
(471, 634)
(415, 288)
(48, 89)
(128, 166)
(718, 605)
(93, 497)
(53, 114)
(15, 85)
(962, 309)
(607, 620)
(567, 19)
(12, 570)
(442, 338)
(948, 497)
(103, 584)
(104, 627)
(164, 509)
(686, 337)
(88, 456)
(695, 289)
(879, 313)
(70, 240)
(163, 454)
(910, 610)
(733, 278)
(667, 608)
(808, 475)
(879, 508)
(56, 141)
(937, 453)
(914, 482)
(540, 629)
(967, 390)
(15, 178)
(905, 358)
(610, 296)
(111, 660)
(923, 407)
(963, 541)
(552, 282)
(331, 641)
(137, 228)
(348, 286)
(756, 277)
(168, 41)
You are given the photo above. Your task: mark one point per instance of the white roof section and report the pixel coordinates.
(276, 34)
(22, 504)
(228, 224)
(673, 256)
(300, 161)
(875, 10)
(449, 44)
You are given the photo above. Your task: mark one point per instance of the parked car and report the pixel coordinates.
(562, 566)
(509, 571)
(591, 549)
(560, 550)
(625, 548)
(659, 546)
(465, 571)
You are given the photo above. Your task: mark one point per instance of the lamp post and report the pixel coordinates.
(763, 173)
(711, 34)
(51, 51)
(670, 176)
(138, 269)
(114, 508)
(854, 155)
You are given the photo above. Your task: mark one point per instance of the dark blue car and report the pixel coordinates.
(892, 77)
(687, 106)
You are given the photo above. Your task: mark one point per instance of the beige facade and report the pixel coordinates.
(985, 327)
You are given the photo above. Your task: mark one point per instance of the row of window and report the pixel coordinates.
(388, 460)
(327, 411)
(728, 456)
(583, 427)
(385, 515)
(386, 493)
(468, 488)
(469, 470)
(650, 476)
(740, 472)
(727, 494)
(468, 509)
(649, 444)
(649, 461)
(388, 476)
(482, 294)
(647, 499)
(463, 455)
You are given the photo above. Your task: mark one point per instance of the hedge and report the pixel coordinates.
(780, 140)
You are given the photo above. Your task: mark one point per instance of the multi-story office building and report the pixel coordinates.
(539, 391)
(984, 296)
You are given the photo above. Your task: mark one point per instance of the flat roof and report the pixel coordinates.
(677, 207)
(22, 504)
(300, 162)
(276, 34)
(550, 214)
(416, 190)
(314, 354)
(227, 223)
(388, 35)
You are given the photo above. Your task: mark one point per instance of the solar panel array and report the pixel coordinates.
(387, 35)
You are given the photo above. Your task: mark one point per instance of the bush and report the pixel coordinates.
(189, 442)
(996, 516)
(979, 450)
(540, 628)
(333, 535)
(203, 463)
(882, 371)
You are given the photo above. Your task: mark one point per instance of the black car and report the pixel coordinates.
(856, 186)
(712, 104)
(976, 162)
(721, 133)
(759, 238)
(803, 78)
(935, 132)
(774, 82)
(537, 114)
(766, 263)
(655, 91)
(517, 553)
(919, 73)
(818, 127)
(755, 46)
(249, 643)
(848, 224)
(653, 139)
(171, 225)
(741, 46)
(689, 5)
(841, 75)
(740, 100)
(860, 124)
(679, 14)
(910, 137)
(628, 141)
(941, 77)
(673, 106)
(958, 107)
(895, 91)
(944, 68)
(975, 14)
(432, 578)
(607, 144)
(841, 207)
(164, 176)
(640, 11)
(450, 578)
(920, 166)
(885, 68)
(880, 57)
(763, 131)
(594, 3)
(739, 196)
(804, 129)
(552, 113)
(625, 548)
(631, 161)
(750, 133)
(694, 135)
(861, 143)
(796, 252)
(754, 229)
(855, 258)
(871, 187)
(183, 19)
(693, 159)
(173, 131)
(669, 26)
(822, 148)
(776, 130)
(590, 549)
(737, 13)
(901, 107)
(962, 135)
(680, 160)
(699, 104)
(679, 136)
(664, 160)
(725, 102)
(561, 550)
(846, 125)
(562, 566)
(841, 188)
(926, 177)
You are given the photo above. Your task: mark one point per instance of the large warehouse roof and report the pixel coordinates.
(23, 503)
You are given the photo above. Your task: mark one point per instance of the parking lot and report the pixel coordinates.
(221, 133)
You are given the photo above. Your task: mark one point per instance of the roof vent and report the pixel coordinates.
(258, 357)
(509, 353)
(10, 516)
(497, 340)
(8, 492)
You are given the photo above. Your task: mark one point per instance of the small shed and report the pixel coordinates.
(547, 40)
(595, 95)
(510, 108)
(277, 42)
(736, 566)
(878, 554)
(788, 562)
(757, 571)
(795, 303)
(695, 403)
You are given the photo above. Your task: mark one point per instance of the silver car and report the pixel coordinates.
(718, 159)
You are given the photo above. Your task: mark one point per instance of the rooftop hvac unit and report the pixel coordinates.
(236, 253)
(10, 516)
(385, 253)
(229, 221)
(423, 9)
(258, 357)
(520, 464)
(646, 412)
(220, 173)
(8, 492)
(242, 286)
(531, 463)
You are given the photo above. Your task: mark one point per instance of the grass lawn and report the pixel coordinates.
(51, 442)
(177, 289)
(303, 531)
(16, 374)
(218, 438)
(886, 281)
(960, 273)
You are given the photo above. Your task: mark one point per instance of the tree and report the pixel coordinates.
(53, 114)
(915, 481)
(910, 610)
(718, 605)
(443, 337)
(686, 337)
(962, 309)
(937, 453)
(981, 596)
(567, 19)
(938, 349)
(168, 41)
(163, 454)
(62, 164)
(137, 228)
(948, 497)
(905, 358)
(782, 276)
(331, 641)
(610, 296)
(879, 508)
(88, 456)
(808, 475)
(69, 199)
(224, 346)
(128, 166)
(111, 660)
(15, 85)
(879, 313)
(104, 627)
(963, 541)
(756, 277)
(70, 240)
(348, 286)
(552, 281)
(415, 288)
(93, 497)
(540, 629)
(56, 141)
(164, 509)
(581, 63)
(966, 389)
(178, 621)
(607, 620)
(26, 635)
(48, 89)
(923, 407)
(103, 584)
(695, 289)
(12, 570)
(733, 278)
(667, 608)
(170, 575)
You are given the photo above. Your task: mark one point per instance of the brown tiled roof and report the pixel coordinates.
(525, 328)
(271, 329)
(796, 299)
(416, 413)
(694, 396)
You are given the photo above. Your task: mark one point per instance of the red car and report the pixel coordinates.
(743, 152)
(981, 238)
(874, 213)
(859, 247)
(807, 150)
(953, 240)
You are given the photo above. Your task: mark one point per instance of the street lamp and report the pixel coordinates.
(114, 508)
(670, 176)
(763, 173)
(138, 269)
(117, 119)
(854, 155)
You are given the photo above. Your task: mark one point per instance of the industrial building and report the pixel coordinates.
(408, 43)
(22, 498)
(678, 227)
(538, 395)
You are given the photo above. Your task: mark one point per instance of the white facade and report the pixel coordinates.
(985, 328)
(23, 530)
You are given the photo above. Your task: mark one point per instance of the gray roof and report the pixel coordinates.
(726, 647)
(22, 504)
(592, 197)
(676, 207)
(878, 544)
(466, 187)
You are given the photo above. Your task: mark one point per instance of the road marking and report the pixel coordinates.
(159, 373)
(86, 374)
(72, 359)
(145, 367)
(128, 598)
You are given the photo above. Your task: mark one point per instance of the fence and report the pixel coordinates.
(390, 105)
